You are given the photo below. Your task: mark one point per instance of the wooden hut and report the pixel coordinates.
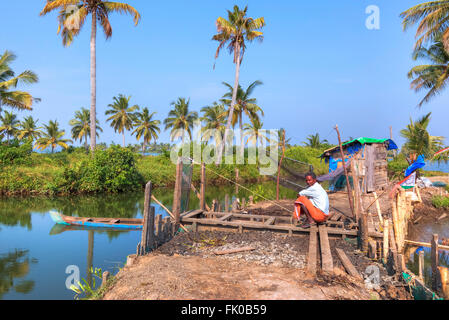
(369, 157)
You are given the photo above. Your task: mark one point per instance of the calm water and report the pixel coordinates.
(435, 166)
(34, 253)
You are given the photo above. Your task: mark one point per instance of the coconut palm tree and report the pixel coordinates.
(29, 130)
(8, 124)
(418, 139)
(71, 17)
(146, 127)
(53, 137)
(433, 19)
(8, 80)
(253, 132)
(314, 141)
(214, 119)
(236, 32)
(180, 119)
(122, 115)
(244, 104)
(434, 76)
(81, 126)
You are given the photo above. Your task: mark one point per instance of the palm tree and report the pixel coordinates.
(418, 139)
(81, 126)
(180, 118)
(253, 132)
(52, 137)
(214, 119)
(71, 18)
(8, 80)
(8, 124)
(122, 115)
(235, 31)
(29, 129)
(243, 105)
(433, 17)
(434, 76)
(146, 127)
(314, 141)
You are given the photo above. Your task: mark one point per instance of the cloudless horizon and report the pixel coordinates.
(319, 63)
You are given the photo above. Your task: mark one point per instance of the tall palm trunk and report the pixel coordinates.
(93, 82)
(242, 147)
(123, 138)
(231, 109)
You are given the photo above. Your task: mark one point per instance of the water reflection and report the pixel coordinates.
(13, 266)
(413, 262)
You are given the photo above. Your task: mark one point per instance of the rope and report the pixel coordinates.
(243, 187)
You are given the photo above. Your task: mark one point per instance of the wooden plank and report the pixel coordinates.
(326, 257)
(270, 221)
(424, 244)
(230, 251)
(349, 267)
(226, 217)
(255, 225)
(336, 216)
(311, 260)
(192, 214)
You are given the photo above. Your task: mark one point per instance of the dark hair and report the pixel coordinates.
(311, 174)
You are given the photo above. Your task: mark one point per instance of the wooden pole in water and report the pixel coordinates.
(348, 185)
(203, 187)
(421, 265)
(434, 259)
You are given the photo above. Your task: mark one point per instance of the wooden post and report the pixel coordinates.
(348, 185)
(148, 231)
(421, 265)
(379, 212)
(227, 203)
(434, 258)
(105, 278)
(280, 164)
(360, 213)
(203, 187)
(251, 200)
(177, 192)
(385, 244)
(236, 181)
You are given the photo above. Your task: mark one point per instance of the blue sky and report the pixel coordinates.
(319, 63)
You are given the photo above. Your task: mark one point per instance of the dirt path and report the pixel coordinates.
(187, 268)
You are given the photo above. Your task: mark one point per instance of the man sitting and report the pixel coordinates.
(313, 202)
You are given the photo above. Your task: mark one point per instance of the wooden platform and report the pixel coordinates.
(243, 221)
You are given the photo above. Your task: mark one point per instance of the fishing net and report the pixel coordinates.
(186, 182)
(293, 174)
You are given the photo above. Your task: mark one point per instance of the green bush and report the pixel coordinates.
(440, 202)
(310, 156)
(15, 153)
(397, 166)
(111, 170)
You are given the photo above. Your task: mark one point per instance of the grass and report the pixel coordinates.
(440, 202)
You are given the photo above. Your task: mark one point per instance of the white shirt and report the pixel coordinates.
(318, 196)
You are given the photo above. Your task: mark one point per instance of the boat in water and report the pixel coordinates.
(104, 223)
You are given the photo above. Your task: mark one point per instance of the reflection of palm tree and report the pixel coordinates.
(90, 257)
(15, 265)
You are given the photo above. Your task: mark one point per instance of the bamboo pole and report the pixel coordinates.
(379, 212)
(177, 192)
(385, 243)
(280, 164)
(348, 185)
(236, 181)
(421, 265)
(434, 260)
(203, 187)
(168, 211)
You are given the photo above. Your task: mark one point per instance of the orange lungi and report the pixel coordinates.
(316, 214)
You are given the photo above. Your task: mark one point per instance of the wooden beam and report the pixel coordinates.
(425, 244)
(270, 221)
(326, 257)
(230, 251)
(350, 269)
(312, 257)
(192, 214)
(226, 217)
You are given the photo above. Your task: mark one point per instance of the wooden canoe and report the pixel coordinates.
(110, 223)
